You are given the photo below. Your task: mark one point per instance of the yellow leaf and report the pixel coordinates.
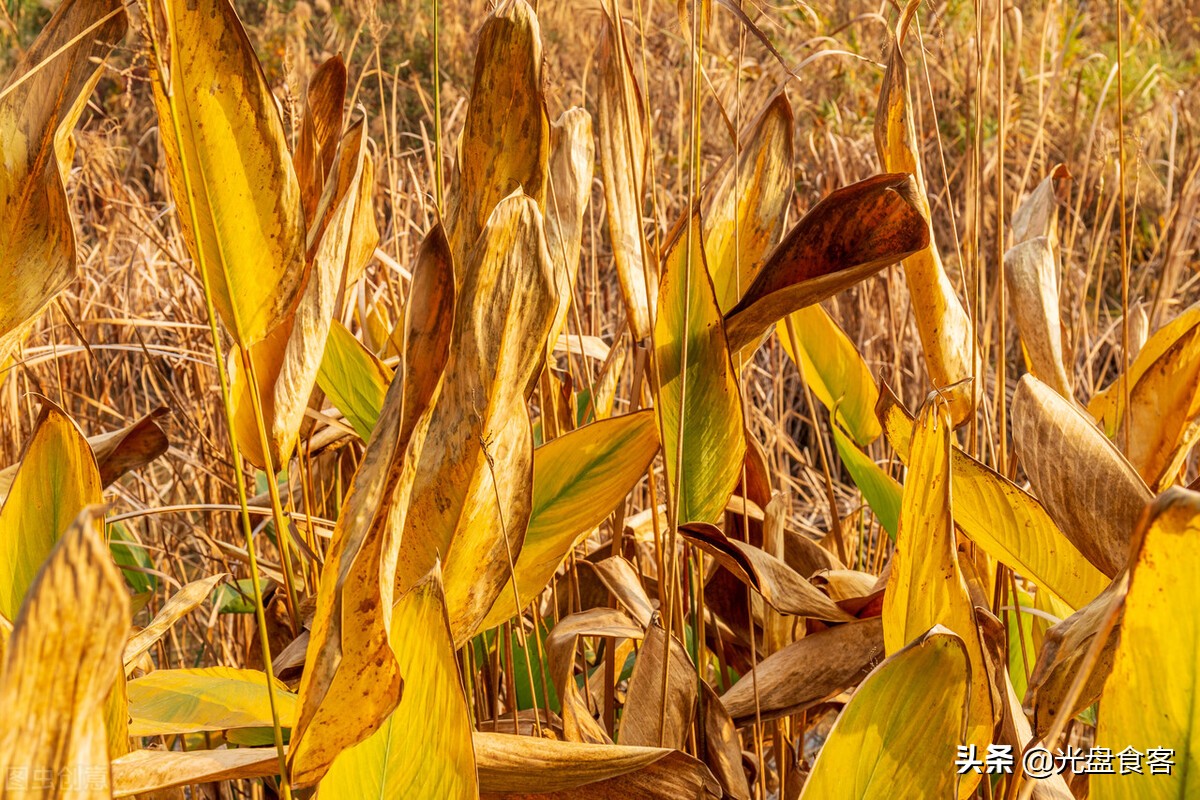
(183, 601)
(424, 748)
(169, 701)
(1165, 420)
(61, 660)
(926, 586)
(349, 660)
(37, 242)
(578, 480)
(748, 209)
(851, 234)
(1007, 522)
(473, 493)
(146, 771)
(623, 161)
(833, 369)
(244, 227)
(1031, 273)
(57, 479)
(506, 136)
(286, 363)
(899, 732)
(942, 322)
(703, 390)
(1152, 697)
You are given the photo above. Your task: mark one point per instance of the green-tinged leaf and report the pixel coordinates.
(424, 748)
(57, 479)
(578, 480)
(698, 394)
(881, 491)
(129, 552)
(900, 730)
(236, 597)
(1152, 697)
(169, 701)
(833, 369)
(354, 380)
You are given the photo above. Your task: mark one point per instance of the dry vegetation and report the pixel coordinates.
(736, 400)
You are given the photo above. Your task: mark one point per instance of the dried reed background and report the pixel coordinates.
(1000, 96)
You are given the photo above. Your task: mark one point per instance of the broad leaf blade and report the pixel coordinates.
(57, 479)
(578, 480)
(243, 226)
(170, 701)
(698, 398)
(60, 663)
(900, 728)
(37, 241)
(424, 747)
(1152, 697)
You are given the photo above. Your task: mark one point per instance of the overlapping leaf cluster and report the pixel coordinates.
(490, 481)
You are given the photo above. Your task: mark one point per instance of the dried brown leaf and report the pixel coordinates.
(807, 672)
(1090, 490)
(779, 584)
(849, 235)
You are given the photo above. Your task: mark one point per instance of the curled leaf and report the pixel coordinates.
(1083, 481)
(942, 321)
(55, 75)
(849, 235)
(624, 157)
